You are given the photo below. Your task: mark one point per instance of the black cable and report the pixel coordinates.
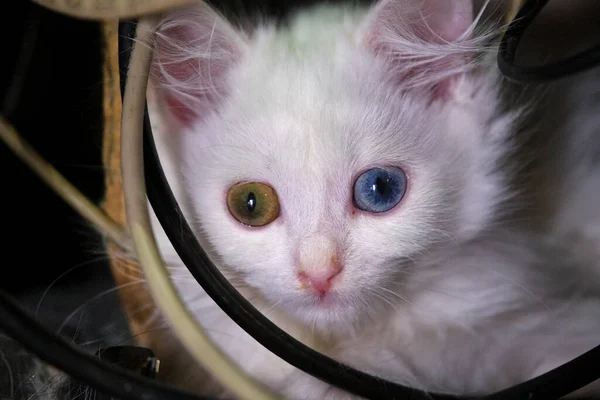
(551, 385)
(510, 42)
(51, 348)
(55, 350)
(558, 382)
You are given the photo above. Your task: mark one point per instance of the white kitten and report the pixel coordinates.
(367, 147)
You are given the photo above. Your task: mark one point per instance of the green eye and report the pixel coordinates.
(253, 203)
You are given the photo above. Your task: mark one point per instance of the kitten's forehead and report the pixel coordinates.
(326, 122)
(324, 108)
(310, 97)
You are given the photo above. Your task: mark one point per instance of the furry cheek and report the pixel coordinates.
(260, 256)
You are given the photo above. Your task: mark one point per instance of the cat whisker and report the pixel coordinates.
(272, 307)
(517, 285)
(384, 299)
(77, 328)
(395, 294)
(131, 337)
(62, 275)
(452, 295)
(47, 385)
(9, 370)
(98, 296)
(314, 329)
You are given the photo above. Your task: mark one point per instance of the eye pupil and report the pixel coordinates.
(380, 186)
(379, 189)
(251, 202)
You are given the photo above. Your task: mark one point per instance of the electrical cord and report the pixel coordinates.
(110, 9)
(49, 347)
(552, 385)
(18, 323)
(210, 278)
(61, 186)
(48, 174)
(510, 42)
(166, 297)
(53, 348)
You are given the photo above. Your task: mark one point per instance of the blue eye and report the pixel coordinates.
(379, 189)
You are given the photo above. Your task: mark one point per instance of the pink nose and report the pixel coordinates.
(320, 281)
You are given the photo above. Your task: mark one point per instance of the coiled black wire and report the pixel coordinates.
(543, 73)
(16, 322)
(551, 385)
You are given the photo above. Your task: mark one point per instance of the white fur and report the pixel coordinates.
(436, 294)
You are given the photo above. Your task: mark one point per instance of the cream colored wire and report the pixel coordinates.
(110, 9)
(167, 299)
(164, 293)
(121, 9)
(62, 186)
(513, 8)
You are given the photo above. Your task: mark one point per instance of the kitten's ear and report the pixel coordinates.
(423, 40)
(194, 48)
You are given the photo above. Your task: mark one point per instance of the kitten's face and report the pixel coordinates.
(310, 143)
(347, 179)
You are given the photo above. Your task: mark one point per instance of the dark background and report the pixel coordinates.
(60, 114)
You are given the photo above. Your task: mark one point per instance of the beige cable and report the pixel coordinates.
(167, 299)
(110, 9)
(513, 8)
(62, 186)
(121, 9)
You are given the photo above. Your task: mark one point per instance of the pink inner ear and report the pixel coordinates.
(413, 39)
(175, 71)
(193, 53)
(446, 19)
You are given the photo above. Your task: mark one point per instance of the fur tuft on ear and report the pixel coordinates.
(194, 48)
(428, 43)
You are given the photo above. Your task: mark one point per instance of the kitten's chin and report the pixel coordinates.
(322, 311)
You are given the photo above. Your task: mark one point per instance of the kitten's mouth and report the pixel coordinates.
(311, 307)
(325, 299)
(322, 300)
